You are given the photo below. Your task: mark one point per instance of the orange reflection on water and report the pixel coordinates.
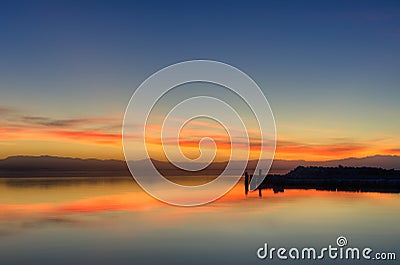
(99, 198)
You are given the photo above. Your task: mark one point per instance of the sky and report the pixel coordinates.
(330, 70)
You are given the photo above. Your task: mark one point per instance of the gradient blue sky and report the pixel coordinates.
(331, 70)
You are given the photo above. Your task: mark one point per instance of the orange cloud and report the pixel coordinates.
(99, 130)
(320, 150)
(106, 131)
(394, 151)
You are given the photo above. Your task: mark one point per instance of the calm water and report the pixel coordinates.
(112, 221)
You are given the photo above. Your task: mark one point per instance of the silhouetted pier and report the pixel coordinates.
(247, 181)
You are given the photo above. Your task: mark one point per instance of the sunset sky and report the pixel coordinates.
(330, 71)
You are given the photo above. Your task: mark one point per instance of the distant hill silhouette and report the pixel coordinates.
(32, 166)
(380, 161)
(59, 163)
(43, 166)
(336, 178)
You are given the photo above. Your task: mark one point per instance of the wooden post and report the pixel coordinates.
(259, 186)
(246, 183)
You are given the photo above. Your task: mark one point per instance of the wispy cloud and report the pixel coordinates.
(329, 150)
(6, 110)
(98, 130)
(394, 151)
(106, 130)
(51, 122)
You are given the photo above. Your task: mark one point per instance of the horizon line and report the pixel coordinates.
(224, 161)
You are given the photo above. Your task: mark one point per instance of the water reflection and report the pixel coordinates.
(68, 220)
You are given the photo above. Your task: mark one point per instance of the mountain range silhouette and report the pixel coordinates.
(32, 166)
